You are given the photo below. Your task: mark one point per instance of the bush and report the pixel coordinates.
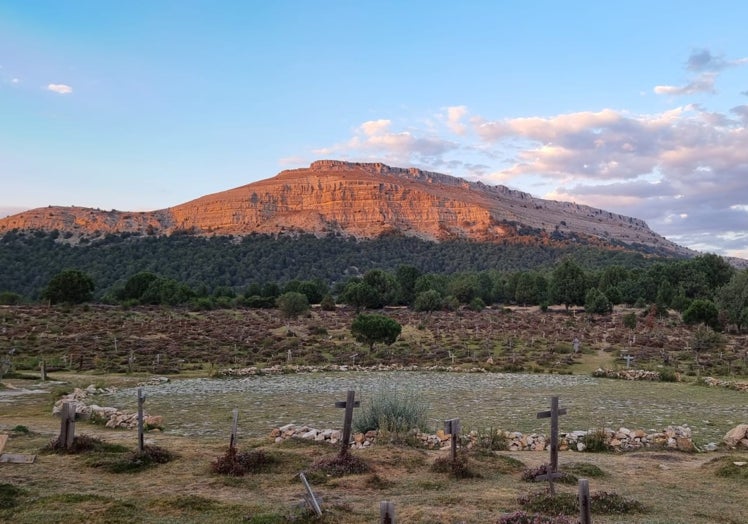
(595, 441)
(392, 411)
(239, 464)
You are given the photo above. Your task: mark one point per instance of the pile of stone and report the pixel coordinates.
(627, 374)
(729, 384)
(108, 416)
(623, 439)
(737, 437)
(290, 369)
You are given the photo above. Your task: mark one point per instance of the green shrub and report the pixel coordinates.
(595, 441)
(392, 411)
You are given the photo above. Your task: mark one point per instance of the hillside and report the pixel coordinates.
(364, 201)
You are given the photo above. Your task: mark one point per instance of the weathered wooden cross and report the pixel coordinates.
(628, 359)
(349, 403)
(452, 427)
(67, 425)
(310, 498)
(387, 512)
(553, 414)
(141, 438)
(234, 428)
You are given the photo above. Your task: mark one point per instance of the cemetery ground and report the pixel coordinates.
(123, 348)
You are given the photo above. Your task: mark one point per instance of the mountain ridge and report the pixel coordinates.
(363, 200)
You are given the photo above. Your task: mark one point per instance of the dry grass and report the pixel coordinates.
(66, 488)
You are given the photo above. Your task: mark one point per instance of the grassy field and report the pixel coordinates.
(673, 487)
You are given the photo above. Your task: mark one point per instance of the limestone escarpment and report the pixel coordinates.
(362, 200)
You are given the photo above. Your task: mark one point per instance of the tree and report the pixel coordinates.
(596, 303)
(702, 312)
(292, 304)
(361, 295)
(568, 284)
(429, 301)
(732, 298)
(370, 329)
(137, 285)
(70, 286)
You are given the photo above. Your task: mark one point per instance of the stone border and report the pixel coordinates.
(673, 437)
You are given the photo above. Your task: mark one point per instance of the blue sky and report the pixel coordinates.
(640, 108)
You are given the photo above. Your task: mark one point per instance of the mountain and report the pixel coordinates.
(364, 200)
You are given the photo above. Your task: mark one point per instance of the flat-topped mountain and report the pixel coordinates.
(363, 200)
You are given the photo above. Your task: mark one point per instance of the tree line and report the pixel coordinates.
(705, 289)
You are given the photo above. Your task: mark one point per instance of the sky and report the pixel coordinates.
(639, 108)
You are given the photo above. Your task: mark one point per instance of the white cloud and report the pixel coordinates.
(704, 83)
(375, 127)
(455, 114)
(61, 89)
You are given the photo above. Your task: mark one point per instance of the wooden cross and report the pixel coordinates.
(234, 428)
(628, 359)
(67, 424)
(553, 414)
(141, 439)
(452, 427)
(387, 512)
(310, 498)
(349, 403)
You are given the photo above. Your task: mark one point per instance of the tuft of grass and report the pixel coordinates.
(730, 467)
(21, 430)
(134, 461)
(520, 517)
(595, 441)
(9, 495)
(584, 470)
(237, 464)
(458, 468)
(341, 465)
(83, 444)
(393, 412)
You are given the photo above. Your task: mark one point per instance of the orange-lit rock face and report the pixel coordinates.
(360, 200)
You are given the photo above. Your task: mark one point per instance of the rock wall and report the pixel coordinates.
(623, 439)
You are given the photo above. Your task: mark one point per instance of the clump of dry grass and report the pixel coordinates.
(520, 517)
(341, 465)
(133, 461)
(82, 444)
(236, 464)
(601, 502)
(458, 468)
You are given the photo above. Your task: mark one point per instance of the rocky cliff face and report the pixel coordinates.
(361, 200)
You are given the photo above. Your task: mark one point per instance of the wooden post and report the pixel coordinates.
(386, 512)
(43, 370)
(348, 404)
(67, 424)
(141, 439)
(234, 427)
(584, 502)
(452, 428)
(311, 499)
(553, 414)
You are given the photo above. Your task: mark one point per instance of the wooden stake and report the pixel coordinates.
(311, 499)
(584, 502)
(67, 424)
(386, 512)
(234, 427)
(141, 439)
